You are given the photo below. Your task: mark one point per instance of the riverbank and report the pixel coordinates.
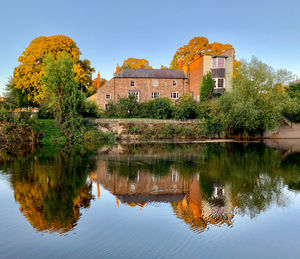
(155, 130)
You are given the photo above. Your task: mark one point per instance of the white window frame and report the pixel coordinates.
(136, 93)
(217, 82)
(176, 94)
(174, 83)
(132, 83)
(107, 96)
(217, 62)
(153, 95)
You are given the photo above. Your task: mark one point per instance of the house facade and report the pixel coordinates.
(220, 67)
(147, 84)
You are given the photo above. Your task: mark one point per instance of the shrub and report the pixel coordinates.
(207, 87)
(96, 136)
(134, 130)
(185, 108)
(90, 109)
(127, 107)
(161, 108)
(45, 113)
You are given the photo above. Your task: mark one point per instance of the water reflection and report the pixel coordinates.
(204, 184)
(51, 190)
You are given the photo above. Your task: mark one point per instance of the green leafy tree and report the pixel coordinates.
(292, 109)
(64, 98)
(207, 87)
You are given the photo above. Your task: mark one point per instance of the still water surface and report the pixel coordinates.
(209, 200)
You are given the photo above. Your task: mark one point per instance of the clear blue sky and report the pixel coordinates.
(107, 32)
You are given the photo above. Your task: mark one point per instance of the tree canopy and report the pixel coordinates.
(197, 46)
(28, 75)
(135, 63)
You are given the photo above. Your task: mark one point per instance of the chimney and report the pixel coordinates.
(118, 69)
(98, 81)
(229, 52)
(180, 63)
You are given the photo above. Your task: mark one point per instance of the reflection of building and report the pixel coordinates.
(143, 188)
(184, 195)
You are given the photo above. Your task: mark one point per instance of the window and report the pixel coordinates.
(135, 93)
(174, 83)
(155, 95)
(155, 83)
(175, 176)
(107, 96)
(106, 106)
(174, 95)
(218, 62)
(219, 82)
(132, 83)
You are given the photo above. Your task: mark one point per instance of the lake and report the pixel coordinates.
(152, 200)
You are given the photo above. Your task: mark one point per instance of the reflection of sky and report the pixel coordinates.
(106, 230)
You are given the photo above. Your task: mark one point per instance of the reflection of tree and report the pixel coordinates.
(51, 191)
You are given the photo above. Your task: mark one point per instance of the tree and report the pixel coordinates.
(207, 87)
(197, 46)
(257, 101)
(135, 63)
(14, 97)
(64, 98)
(292, 109)
(28, 75)
(163, 67)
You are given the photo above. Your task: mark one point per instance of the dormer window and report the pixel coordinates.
(132, 83)
(174, 83)
(218, 62)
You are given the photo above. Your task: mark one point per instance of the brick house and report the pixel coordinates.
(220, 66)
(147, 84)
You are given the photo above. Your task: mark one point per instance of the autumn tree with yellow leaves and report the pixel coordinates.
(28, 75)
(135, 63)
(199, 46)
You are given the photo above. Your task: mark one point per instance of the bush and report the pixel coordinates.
(45, 113)
(96, 136)
(90, 109)
(185, 108)
(134, 130)
(127, 107)
(161, 108)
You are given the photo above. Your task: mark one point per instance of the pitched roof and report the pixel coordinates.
(151, 73)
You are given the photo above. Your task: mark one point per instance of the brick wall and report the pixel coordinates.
(145, 86)
(195, 76)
